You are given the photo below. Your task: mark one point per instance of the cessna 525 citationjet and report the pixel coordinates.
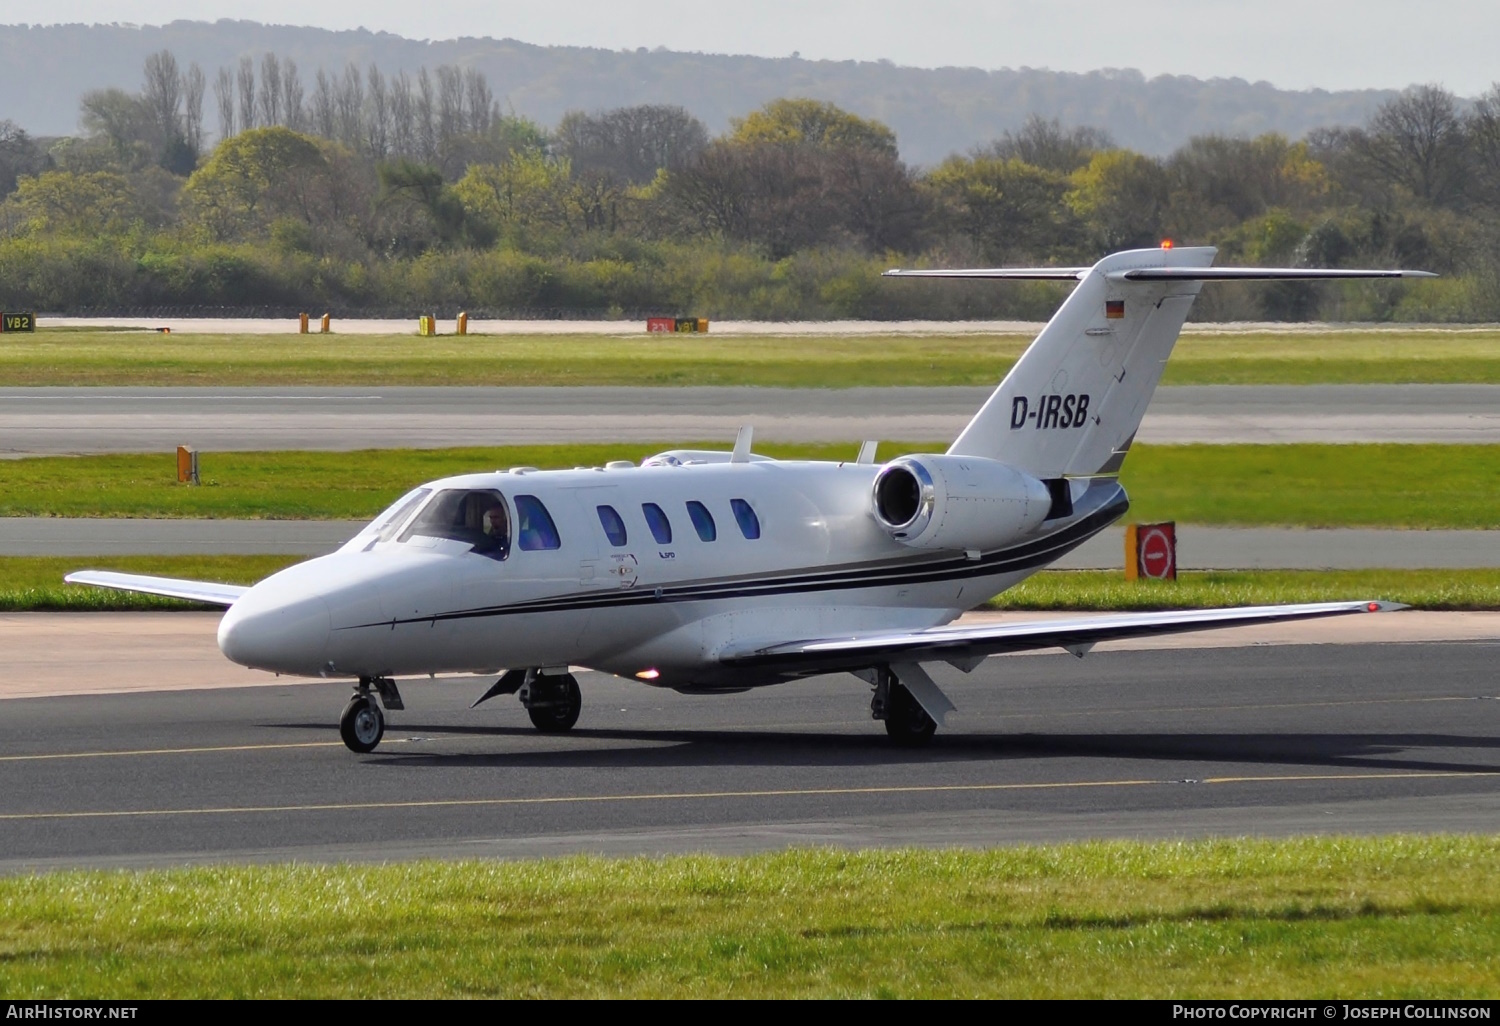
(724, 571)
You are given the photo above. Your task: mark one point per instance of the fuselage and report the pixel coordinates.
(642, 571)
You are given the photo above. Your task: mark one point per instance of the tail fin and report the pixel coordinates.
(1071, 405)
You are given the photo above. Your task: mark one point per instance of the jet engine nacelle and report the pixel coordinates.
(957, 502)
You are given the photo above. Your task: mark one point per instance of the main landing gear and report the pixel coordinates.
(552, 702)
(905, 720)
(362, 724)
(552, 699)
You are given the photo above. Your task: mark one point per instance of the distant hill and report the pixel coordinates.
(935, 112)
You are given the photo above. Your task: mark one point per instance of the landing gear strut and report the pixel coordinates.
(553, 701)
(362, 724)
(905, 720)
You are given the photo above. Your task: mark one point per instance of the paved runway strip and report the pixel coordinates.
(39, 421)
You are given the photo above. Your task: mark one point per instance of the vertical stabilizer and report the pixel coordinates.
(1071, 405)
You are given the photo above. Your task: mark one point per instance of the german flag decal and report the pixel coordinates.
(1114, 309)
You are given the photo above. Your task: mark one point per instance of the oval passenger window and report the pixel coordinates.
(746, 518)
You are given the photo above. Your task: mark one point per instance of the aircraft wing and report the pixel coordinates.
(965, 646)
(171, 587)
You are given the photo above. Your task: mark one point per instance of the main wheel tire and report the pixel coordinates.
(559, 718)
(362, 725)
(905, 720)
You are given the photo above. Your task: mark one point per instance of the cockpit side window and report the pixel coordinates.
(388, 523)
(534, 527)
(703, 520)
(476, 516)
(661, 527)
(614, 527)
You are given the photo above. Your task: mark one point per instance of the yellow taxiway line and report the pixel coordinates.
(817, 792)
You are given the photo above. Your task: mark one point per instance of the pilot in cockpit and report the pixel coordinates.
(495, 530)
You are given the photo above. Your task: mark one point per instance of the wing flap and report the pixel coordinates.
(961, 644)
(169, 587)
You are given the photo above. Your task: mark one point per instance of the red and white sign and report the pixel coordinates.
(1156, 551)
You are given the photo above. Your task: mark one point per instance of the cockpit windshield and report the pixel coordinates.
(385, 526)
(477, 517)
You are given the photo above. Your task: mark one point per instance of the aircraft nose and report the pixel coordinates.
(289, 637)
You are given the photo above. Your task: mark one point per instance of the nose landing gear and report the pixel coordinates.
(362, 724)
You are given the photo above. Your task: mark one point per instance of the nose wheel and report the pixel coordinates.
(362, 724)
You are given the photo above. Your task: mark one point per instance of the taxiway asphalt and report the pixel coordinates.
(42, 421)
(1143, 743)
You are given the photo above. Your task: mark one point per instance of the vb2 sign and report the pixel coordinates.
(17, 322)
(1050, 411)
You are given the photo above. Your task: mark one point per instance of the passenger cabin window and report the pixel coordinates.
(477, 517)
(614, 527)
(746, 518)
(703, 521)
(535, 530)
(661, 527)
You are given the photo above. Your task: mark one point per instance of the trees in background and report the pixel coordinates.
(378, 185)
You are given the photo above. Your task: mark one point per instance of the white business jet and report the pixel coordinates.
(724, 571)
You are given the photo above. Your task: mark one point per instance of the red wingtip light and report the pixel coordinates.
(1373, 607)
(1166, 243)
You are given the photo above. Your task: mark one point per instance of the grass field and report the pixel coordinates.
(34, 583)
(1413, 486)
(1088, 590)
(105, 357)
(1324, 918)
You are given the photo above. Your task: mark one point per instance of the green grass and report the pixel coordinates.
(296, 485)
(1415, 486)
(1308, 485)
(1313, 918)
(106, 357)
(34, 583)
(1106, 590)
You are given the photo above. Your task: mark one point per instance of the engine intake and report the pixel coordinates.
(957, 502)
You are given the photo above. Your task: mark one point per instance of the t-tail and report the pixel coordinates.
(1071, 405)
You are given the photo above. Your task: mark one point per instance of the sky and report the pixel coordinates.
(1294, 44)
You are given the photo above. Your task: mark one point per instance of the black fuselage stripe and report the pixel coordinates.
(1021, 557)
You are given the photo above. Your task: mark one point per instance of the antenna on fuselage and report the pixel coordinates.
(741, 452)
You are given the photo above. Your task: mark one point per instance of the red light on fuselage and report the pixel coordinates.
(649, 674)
(1166, 243)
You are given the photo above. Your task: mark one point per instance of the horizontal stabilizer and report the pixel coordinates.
(1163, 273)
(1255, 274)
(169, 587)
(1022, 273)
(822, 655)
